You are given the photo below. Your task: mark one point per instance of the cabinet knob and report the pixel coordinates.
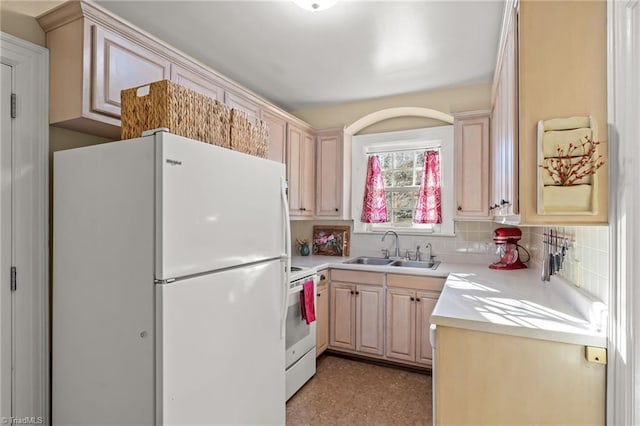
(357, 293)
(412, 299)
(352, 292)
(322, 277)
(318, 294)
(303, 209)
(503, 202)
(337, 209)
(459, 208)
(417, 299)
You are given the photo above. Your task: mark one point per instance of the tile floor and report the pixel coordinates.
(348, 392)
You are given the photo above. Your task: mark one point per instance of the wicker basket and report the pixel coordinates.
(260, 139)
(248, 136)
(183, 111)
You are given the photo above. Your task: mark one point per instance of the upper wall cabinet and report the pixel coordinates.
(202, 81)
(95, 54)
(300, 171)
(242, 103)
(503, 197)
(329, 182)
(277, 125)
(119, 64)
(92, 58)
(471, 132)
(562, 73)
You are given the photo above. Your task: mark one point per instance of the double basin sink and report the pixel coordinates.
(380, 261)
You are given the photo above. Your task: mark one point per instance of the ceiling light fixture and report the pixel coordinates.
(315, 5)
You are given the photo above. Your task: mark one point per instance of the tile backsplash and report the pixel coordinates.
(471, 237)
(586, 264)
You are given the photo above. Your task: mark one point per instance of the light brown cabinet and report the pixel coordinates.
(329, 181)
(503, 198)
(356, 312)
(300, 171)
(92, 58)
(277, 125)
(243, 103)
(472, 165)
(488, 378)
(119, 64)
(322, 313)
(202, 82)
(408, 317)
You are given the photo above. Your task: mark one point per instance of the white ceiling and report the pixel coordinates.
(353, 51)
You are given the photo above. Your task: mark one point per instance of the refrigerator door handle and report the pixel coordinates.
(286, 255)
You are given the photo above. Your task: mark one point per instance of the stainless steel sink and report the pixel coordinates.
(416, 264)
(369, 261)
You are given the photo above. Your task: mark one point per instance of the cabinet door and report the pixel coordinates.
(119, 63)
(401, 320)
(425, 302)
(308, 165)
(300, 170)
(277, 136)
(370, 319)
(322, 316)
(329, 175)
(472, 167)
(198, 82)
(240, 102)
(294, 168)
(342, 315)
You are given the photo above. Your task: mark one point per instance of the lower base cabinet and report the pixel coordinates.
(322, 313)
(408, 313)
(387, 322)
(486, 378)
(356, 312)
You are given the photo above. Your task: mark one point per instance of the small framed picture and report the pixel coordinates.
(331, 240)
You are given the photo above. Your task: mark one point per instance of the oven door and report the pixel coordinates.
(300, 336)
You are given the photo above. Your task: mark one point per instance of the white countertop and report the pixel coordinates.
(505, 302)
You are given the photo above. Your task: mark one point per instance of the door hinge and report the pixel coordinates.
(14, 274)
(13, 105)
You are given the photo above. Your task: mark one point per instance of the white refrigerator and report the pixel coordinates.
(170, 262)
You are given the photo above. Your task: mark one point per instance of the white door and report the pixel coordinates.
(216, 208)
(6, 209)
(221, 355)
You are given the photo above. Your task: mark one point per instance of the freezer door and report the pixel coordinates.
(220, 355)
(216, 208)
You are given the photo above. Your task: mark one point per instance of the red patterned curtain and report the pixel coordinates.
(428, 207)
(374, 207)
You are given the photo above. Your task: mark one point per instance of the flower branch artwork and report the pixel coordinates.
(569, 157)
(578, 162)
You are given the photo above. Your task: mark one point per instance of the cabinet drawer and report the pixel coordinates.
(373, 278)
(415, 282)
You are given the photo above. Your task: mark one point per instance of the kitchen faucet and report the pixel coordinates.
(428, 246)
(397, 251)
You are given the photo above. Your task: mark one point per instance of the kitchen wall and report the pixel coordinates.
(18, 18)
(457, 99)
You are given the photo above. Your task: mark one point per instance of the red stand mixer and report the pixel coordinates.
(506, 240)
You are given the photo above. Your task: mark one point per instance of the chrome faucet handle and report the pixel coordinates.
(385, 253)
(418, 254)
(407, 254)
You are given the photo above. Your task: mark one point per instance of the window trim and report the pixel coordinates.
(433, 137)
